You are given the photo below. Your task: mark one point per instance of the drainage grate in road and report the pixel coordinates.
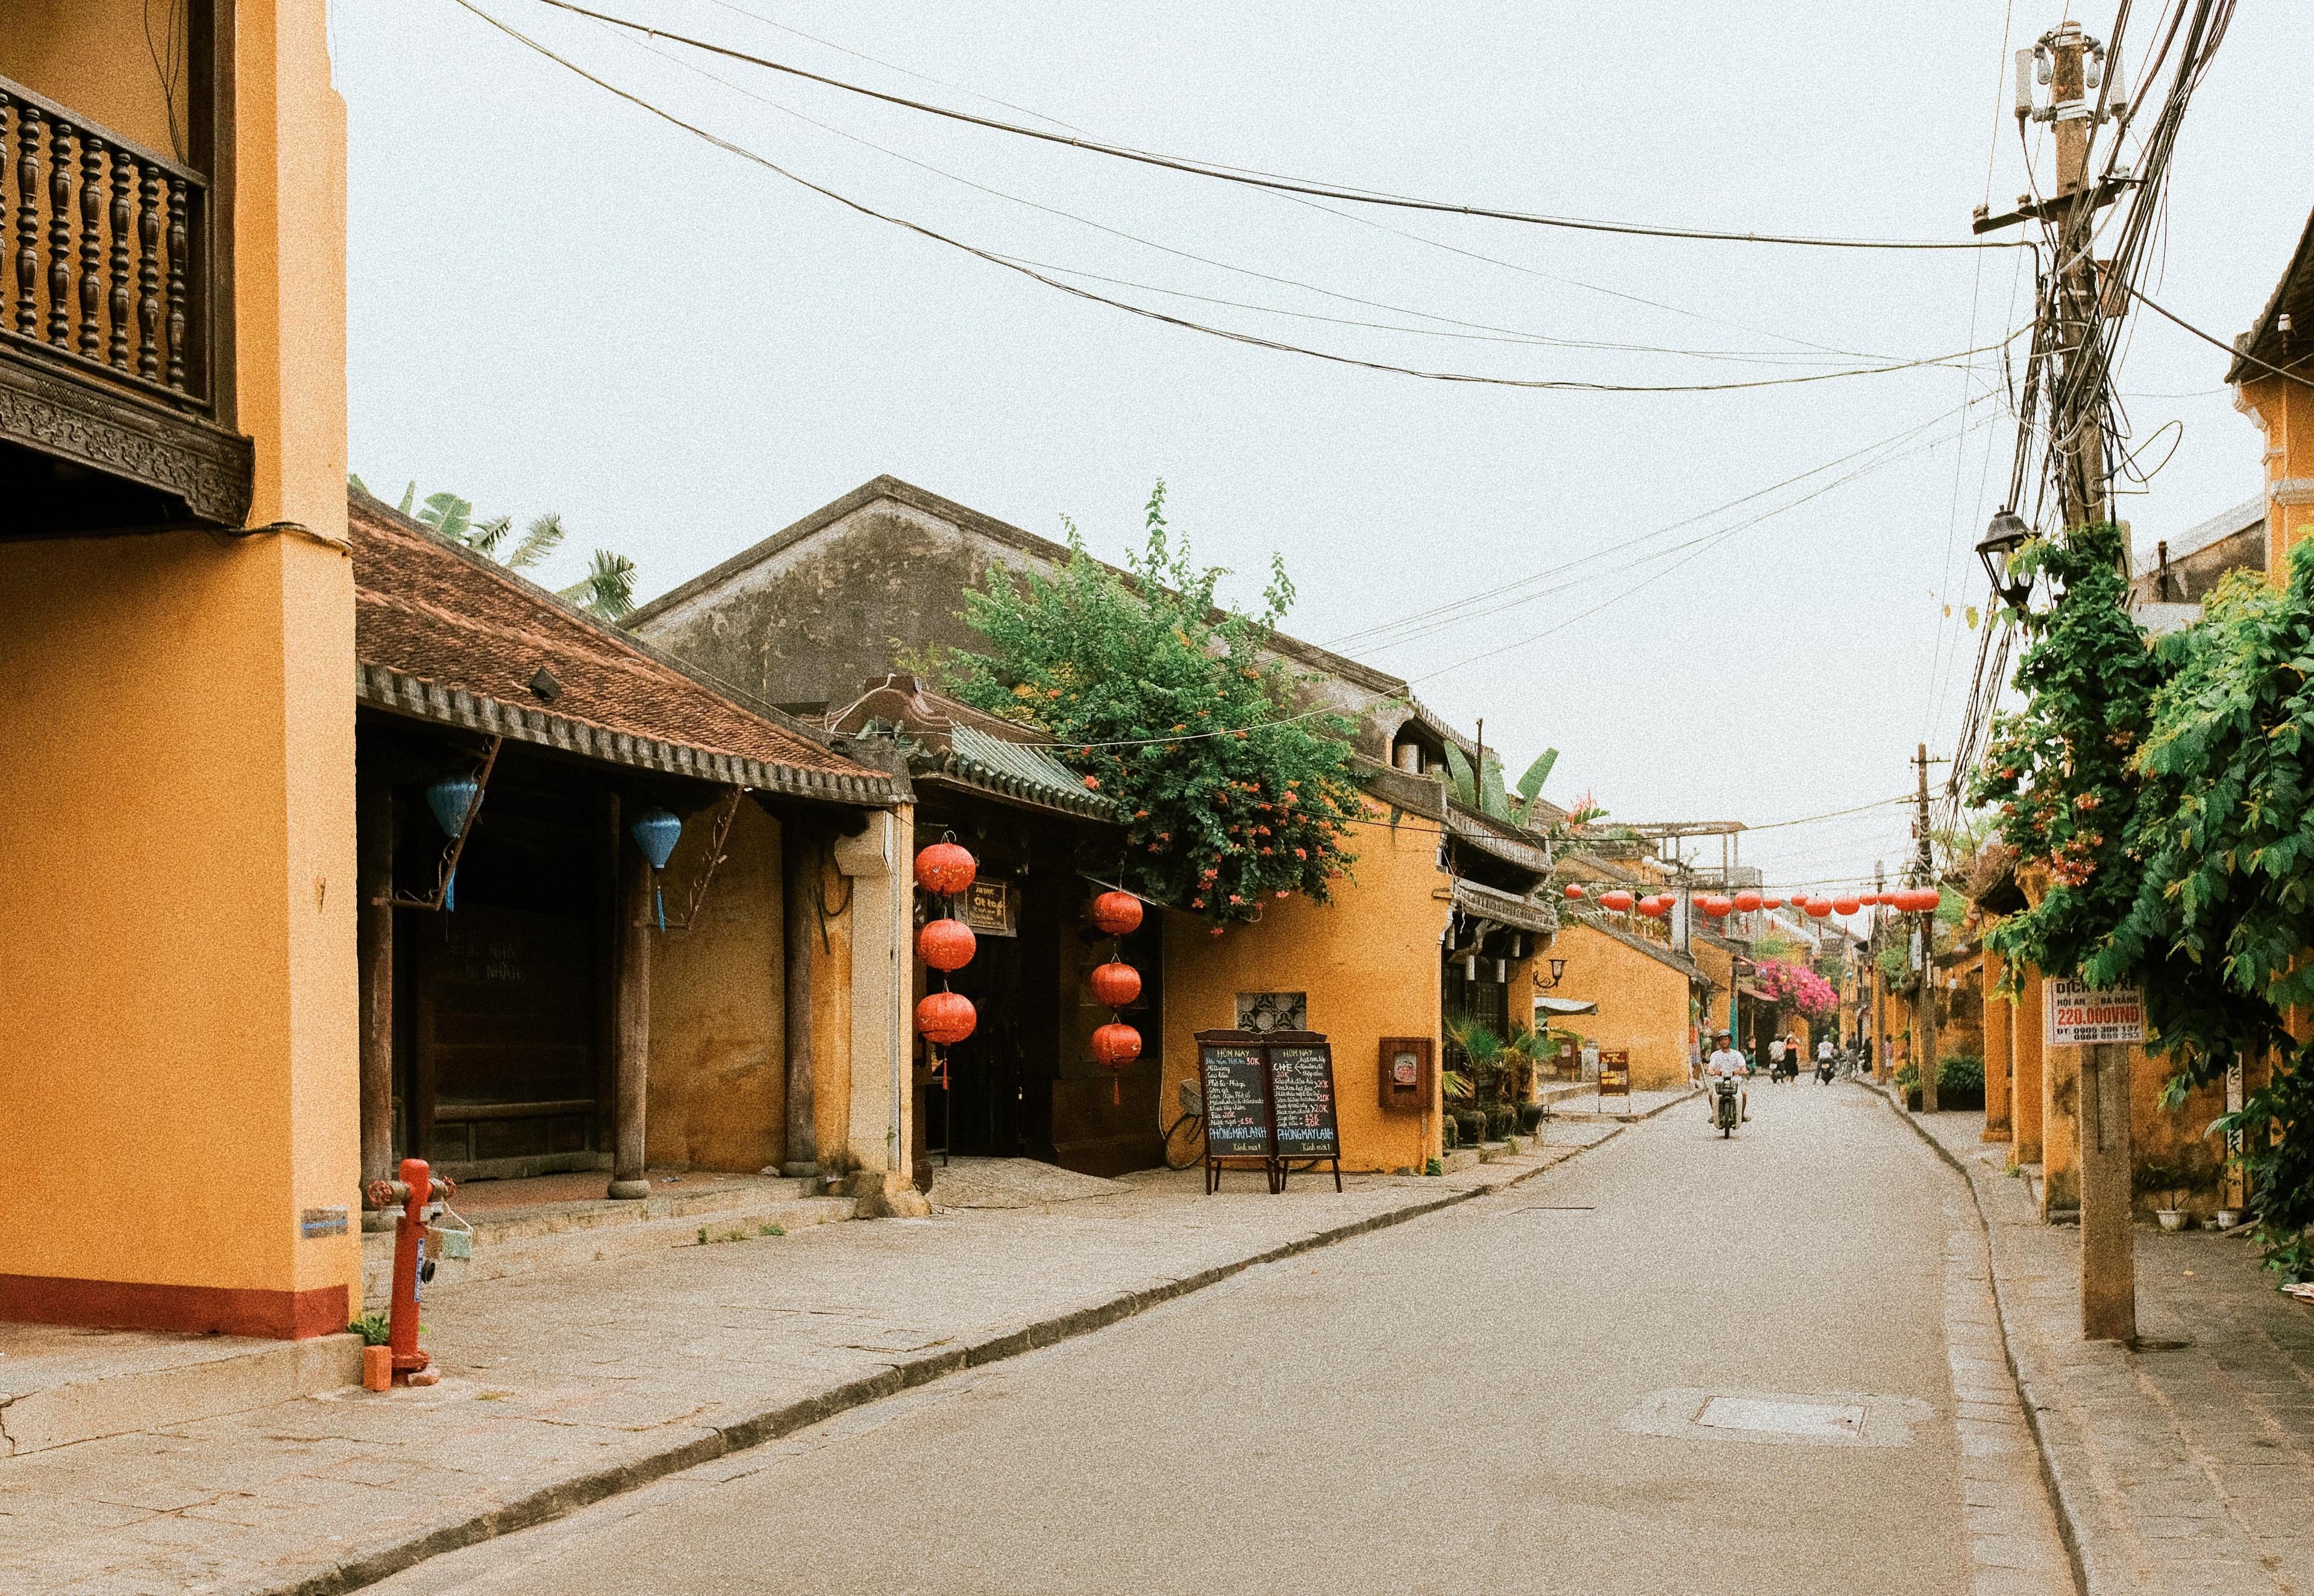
(1843, 1418)
(1819, 1421)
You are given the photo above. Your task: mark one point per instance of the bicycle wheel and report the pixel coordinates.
(1185, 1143)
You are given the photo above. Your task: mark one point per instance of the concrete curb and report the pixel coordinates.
(2063, 1501)
(751, 1430)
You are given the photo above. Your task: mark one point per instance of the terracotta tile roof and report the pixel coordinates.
(442, 634)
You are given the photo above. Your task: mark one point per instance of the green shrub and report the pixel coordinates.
(1960, 1075)
(373, 1328)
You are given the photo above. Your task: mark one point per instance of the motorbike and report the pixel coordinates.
(1726, 1104)
(1825, 1069)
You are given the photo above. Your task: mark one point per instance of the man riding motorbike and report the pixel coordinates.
(1827, 1057)
(1725, 1062)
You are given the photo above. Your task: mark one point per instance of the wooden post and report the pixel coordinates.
(799, 899)
(373, 935)
(2108, 1256)
(631, 1060)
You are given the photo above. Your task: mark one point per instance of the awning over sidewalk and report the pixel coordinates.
(1489, 903)
(1564, 1006)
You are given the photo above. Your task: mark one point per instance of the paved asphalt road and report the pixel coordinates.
(1499, 1397)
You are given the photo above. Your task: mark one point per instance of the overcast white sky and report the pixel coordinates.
(561, 303)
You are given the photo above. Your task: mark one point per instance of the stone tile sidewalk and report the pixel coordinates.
(562, 1389)
(2181, 1470)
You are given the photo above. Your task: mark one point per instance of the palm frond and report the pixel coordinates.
(541, 538)
(448, 515)
(486, 536)
(409, 497)
(608, 588)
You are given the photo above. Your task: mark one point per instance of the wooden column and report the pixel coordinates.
(631, 1060)
(373, 884)
(2000, 1063)
(799, 900)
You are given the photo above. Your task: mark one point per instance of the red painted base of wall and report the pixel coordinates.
(129, 1305)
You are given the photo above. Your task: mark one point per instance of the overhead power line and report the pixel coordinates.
(1281, 183)
(2211, 338)
(1252, 340)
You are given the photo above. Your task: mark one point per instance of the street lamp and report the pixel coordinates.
(1558, 973)
(2003, 538)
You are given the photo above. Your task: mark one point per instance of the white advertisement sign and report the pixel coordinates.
(2078, 1016)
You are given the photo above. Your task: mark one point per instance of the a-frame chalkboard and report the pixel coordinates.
(1270, 1104)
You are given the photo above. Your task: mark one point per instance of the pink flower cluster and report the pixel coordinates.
(1798, 986)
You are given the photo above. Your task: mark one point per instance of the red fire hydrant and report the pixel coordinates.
(409, 1266)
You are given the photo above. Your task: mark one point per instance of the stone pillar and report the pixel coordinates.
(1999, 1057)
(800, 887)
(630, 1064)
(374, 936)
(2060, 1137)
(2108, 1255)
(883, 905)
(2027, 1097)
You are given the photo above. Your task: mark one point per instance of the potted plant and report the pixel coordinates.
(2168, 1184)
(1908, 1081)
(1960, 1082)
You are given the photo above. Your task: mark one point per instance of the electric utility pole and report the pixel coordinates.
(2070, 62)
(1924, 999)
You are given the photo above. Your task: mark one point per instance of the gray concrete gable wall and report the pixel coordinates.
(817, 614)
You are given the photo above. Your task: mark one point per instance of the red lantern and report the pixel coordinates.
(945, 1017)
(1117, 913)
(944, 868)
(1115, 1046)
(1715, 905)
(1819, 908)
(1848, 905)
(1772, 903)
(1574, 893)
(1116, 986)
(1919, 900)
(1746, 900)
(945, 944)
(1618, 900)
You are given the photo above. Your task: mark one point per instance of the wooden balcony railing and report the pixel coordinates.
(103, 252)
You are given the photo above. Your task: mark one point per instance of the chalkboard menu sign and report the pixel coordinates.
(1237, 1109)
(1270, 1104)
(1302, 1085)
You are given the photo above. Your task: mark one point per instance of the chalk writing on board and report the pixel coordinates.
(1237, 1111)
(1302, 1085)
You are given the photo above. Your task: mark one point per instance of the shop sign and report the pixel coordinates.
(992, 906)
(2078, 1016)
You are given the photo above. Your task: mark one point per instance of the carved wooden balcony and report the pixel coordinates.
(110, 313)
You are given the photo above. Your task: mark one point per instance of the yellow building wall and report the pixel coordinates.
(718, 993)
(176, 975)
(93, 57)
(2284, 411)
(2000, 1055)
(1718, 1009)
(2029, 1092)
(1643, 1004)
(1370, 962)
(177, 1063)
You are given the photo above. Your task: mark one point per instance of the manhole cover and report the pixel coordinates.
(1821, 1420)
(1778, 1418)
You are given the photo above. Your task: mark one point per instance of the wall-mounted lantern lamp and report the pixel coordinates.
(1557, 974)
(2003, 537)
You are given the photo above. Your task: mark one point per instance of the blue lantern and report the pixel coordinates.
(656, 832)
(451, 798)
